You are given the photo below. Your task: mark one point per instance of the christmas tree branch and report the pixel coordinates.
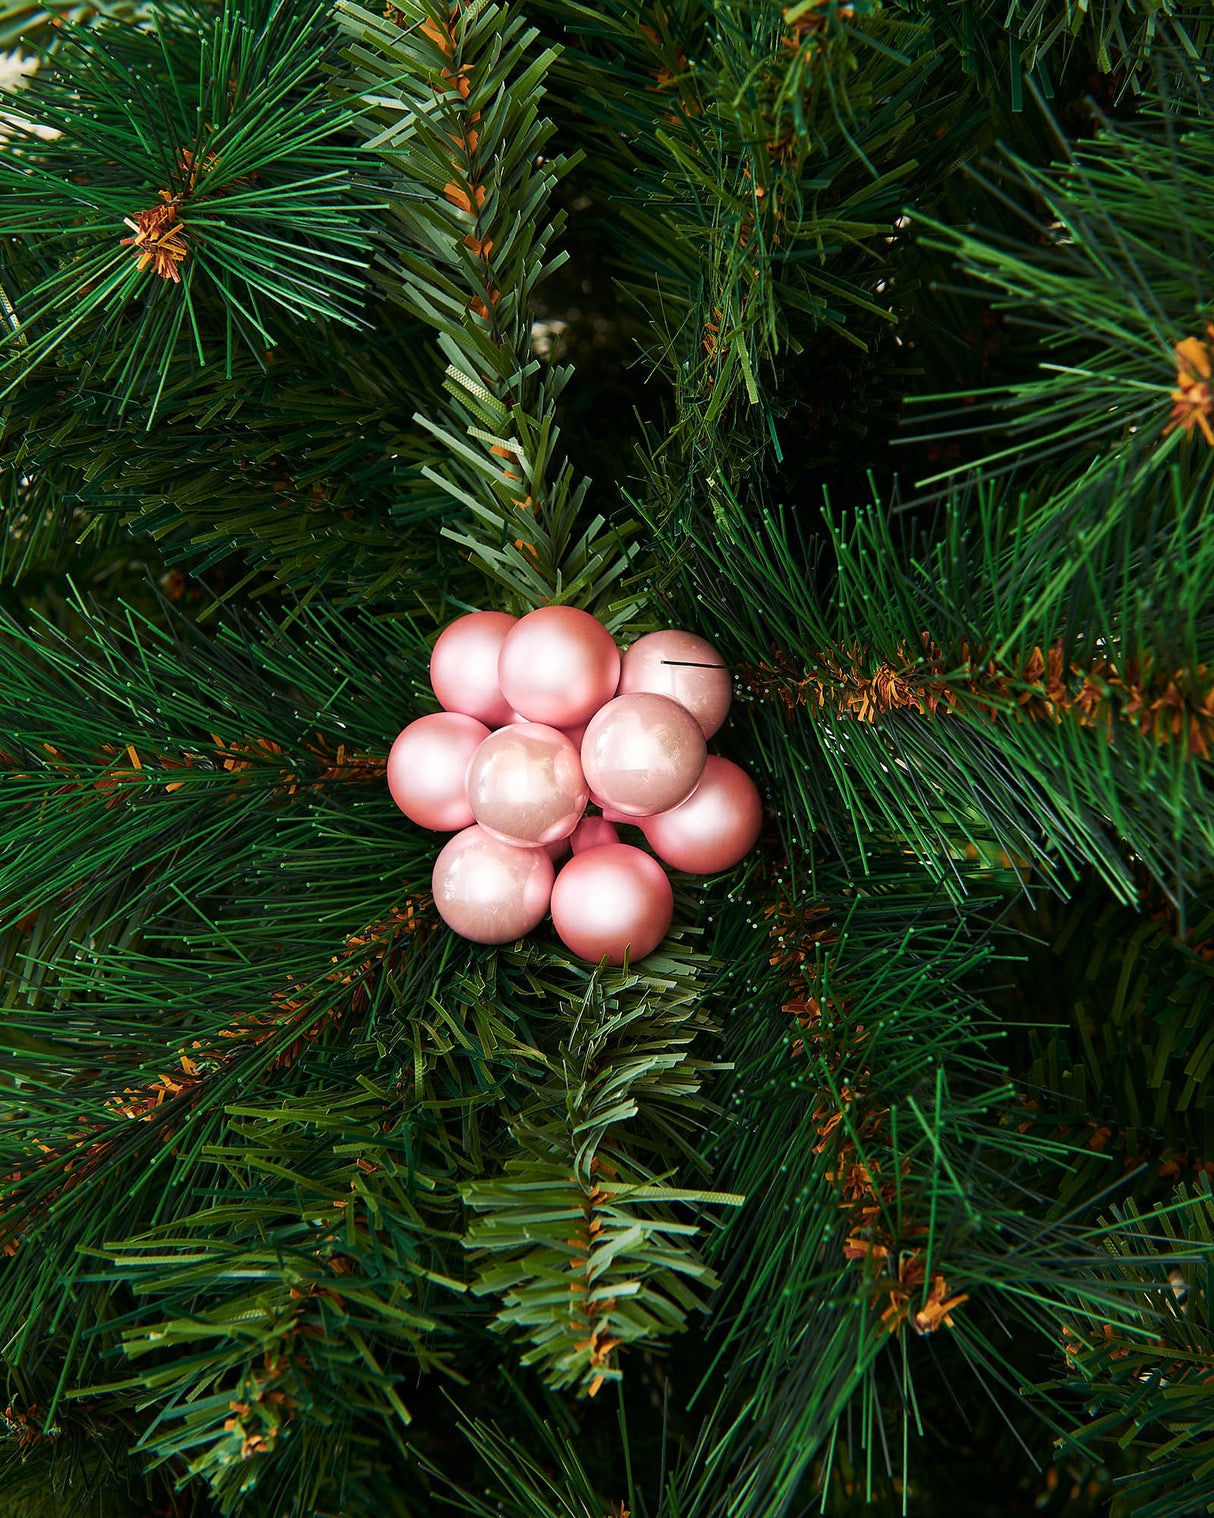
(625, 1277)
(452, 94)
(1074, 718)
(758, 198)
(302, 467)
(1106, 270)
(248, 218)
(904, 1197)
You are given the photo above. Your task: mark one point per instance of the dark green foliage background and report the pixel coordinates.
(248, 517)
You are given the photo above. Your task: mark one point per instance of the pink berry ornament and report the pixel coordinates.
(715, 827)
(525, 785)
(427, 766)
(489, 891)
(684, 667)
(558, 665)
(612, 900)
(642, 754)
(463, 666)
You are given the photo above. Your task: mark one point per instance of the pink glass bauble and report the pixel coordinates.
(525, 785)
(558, 666)
(717, 824)
(575, 735)
(489, 891)
(463, 666)
(610, 899)
(592, 833)
(427, 765)
(642, 754)
(686, 668)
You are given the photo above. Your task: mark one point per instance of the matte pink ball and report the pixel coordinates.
(463, 666)
(643, 754)
(611, 899)
(592, 833)
(558, 665)
(489, 891)
(427, 765)
(575, 735)
(715, 827)
(525, 785)
(672, 663)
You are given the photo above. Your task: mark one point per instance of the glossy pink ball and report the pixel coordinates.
(463, 666)
(489, 891)
(525, 785)
(558, 666)
(427, 766)
(683, 666)
(610, 900)
(642, 754)
(592, 833)
(575, 735)
(715, 827)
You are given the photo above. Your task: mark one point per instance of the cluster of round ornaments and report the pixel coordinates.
(542, 717)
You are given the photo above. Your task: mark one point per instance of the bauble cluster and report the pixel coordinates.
(542, 717)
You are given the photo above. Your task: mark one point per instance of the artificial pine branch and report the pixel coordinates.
(304, 468)
(150, 717)
(1104, 267)
(910, 1198)
(1036, 691)
(1109, 1014)
(152, 1055)
(759, 196)
(452, 108)
(624, 1279)
(1026, 39)
(249, 217)
(1146, 1384)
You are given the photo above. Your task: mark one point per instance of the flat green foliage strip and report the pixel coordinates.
(580, 1267)
(453, 111)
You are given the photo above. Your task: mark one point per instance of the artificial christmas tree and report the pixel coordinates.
(869, 343)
